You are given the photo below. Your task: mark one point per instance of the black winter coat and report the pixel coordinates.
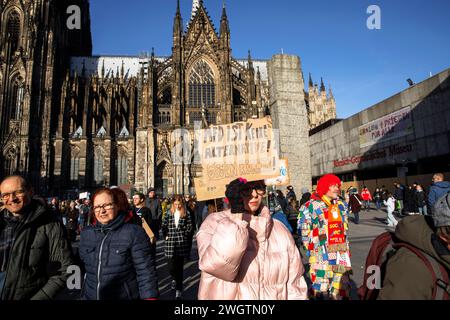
(410, 202)
(420, 199)
(39, 258)
(118, 261)
(399, 193)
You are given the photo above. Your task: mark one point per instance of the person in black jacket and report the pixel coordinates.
(420, 200)
(410, 200)
(35, 252)
(290, 192)
(116, 254)
(355, 204)
(306, 196)
(155, 208)
(282, 200)
(399, 194)
(142, 212)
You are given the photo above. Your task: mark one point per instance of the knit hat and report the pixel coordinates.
(441, 211)
(326, 182)
(233, 194)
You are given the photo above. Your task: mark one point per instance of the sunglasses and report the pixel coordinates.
(260, 190)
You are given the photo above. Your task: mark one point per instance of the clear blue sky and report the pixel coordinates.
(330, 36)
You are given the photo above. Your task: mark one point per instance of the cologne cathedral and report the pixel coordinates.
(72, 122)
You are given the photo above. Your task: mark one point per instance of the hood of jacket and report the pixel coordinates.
(418, 231)
(442, 185)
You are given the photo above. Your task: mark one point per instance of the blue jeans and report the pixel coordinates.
(423, 210)
(356, 214)
(378, 204)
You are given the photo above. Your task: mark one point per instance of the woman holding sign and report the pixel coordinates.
(323, 227)
(244, 254)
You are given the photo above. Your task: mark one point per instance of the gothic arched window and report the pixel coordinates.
(10, 162)
(12, 33)
(202, 91)
(166, 96)
(122, 169)
(98, 168)
(74, 168)
(16, 100)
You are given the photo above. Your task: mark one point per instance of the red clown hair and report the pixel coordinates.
(324, 184)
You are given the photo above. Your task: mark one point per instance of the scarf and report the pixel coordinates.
(336, 231)
(7, 236)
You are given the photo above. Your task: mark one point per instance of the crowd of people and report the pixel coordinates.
(252, 245)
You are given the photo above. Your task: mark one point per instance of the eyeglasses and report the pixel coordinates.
(260, 190)
(106, 206)
(18, 194)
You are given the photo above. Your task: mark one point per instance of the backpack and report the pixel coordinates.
(384, 247)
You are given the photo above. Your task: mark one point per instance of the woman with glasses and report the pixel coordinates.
(116, 253)
(244, 254)
(177, 228)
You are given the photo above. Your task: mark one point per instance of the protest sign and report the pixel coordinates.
(283, 177)
(84, 195)
(239, 149)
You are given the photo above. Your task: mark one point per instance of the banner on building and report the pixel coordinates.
(240, 149)
(392, 126)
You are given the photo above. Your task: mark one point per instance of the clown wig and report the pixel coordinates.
(324, 184)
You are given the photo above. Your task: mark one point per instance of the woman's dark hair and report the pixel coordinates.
(140, 195)
(122, 200)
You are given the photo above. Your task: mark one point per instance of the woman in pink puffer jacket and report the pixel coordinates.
(245, 254)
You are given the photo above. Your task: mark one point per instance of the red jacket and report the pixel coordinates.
(365, 194)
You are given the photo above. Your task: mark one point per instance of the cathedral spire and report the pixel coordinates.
(224, 26)
(250, 61)
(177, 23)
(310, 81)
(195, 5)
(330, 92)
(103, 69)
(322, 86)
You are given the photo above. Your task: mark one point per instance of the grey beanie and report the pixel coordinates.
(441, 211)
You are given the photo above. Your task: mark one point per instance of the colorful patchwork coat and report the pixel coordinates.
(323, 226)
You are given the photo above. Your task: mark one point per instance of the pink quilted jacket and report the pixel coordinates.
(250, 259)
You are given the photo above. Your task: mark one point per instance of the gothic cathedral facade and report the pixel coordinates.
(73, 122)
